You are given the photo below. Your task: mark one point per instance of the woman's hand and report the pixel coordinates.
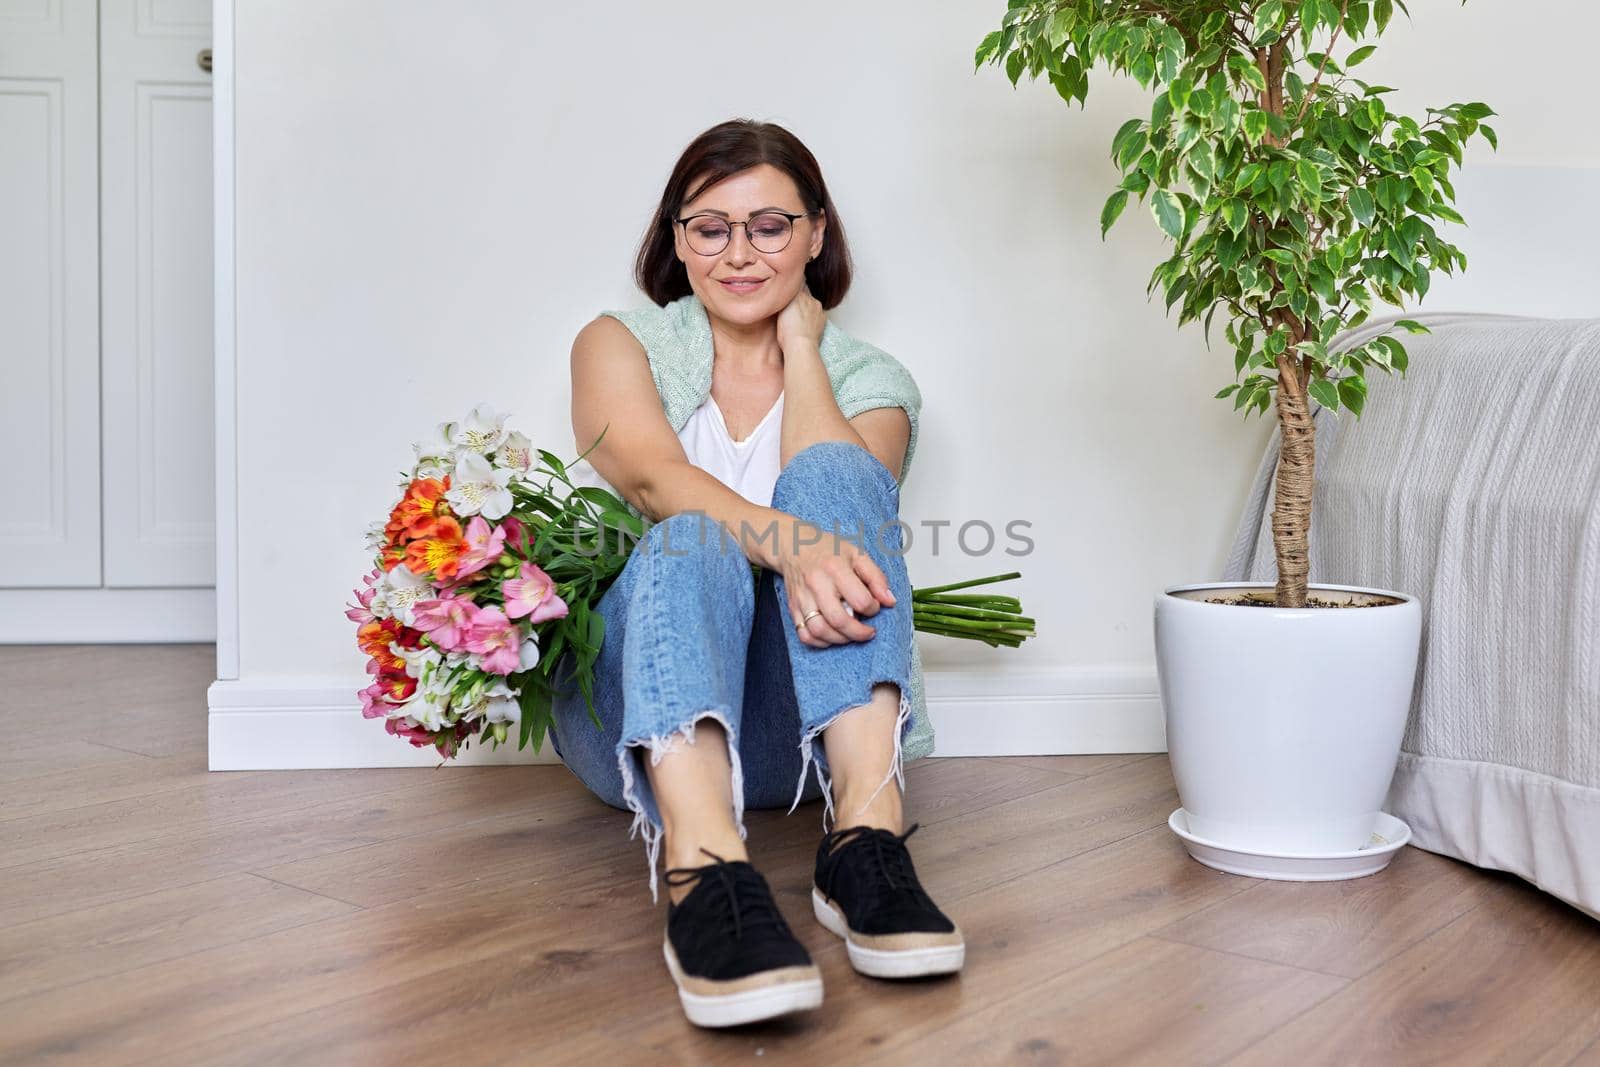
(827, 574)
(801, 322)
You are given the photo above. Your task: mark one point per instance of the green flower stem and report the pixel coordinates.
(953, 612)
(976, 600)
(964, 585)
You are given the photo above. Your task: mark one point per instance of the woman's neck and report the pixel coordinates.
(748, 350)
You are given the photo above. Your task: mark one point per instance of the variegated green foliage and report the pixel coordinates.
(1296, 200)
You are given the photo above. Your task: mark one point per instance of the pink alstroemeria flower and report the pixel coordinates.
(496, 640)
(516, 535)
(533, 594)
(448, 620)
(484, 546)
(373, 705)
(361, 611)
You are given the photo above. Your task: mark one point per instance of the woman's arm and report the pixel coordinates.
(641, 456)
(810, 411)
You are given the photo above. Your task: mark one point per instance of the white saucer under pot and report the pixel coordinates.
(1284, 724)
(1388, 838)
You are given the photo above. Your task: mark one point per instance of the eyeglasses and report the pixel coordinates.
(768, 232)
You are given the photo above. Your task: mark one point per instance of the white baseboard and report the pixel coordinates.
(107, 616)
(303, 723)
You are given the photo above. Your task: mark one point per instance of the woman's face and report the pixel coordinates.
(776, 276)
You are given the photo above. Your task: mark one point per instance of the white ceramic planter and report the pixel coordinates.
(1284, 724)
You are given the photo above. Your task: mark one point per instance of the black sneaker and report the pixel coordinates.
(867, 892)
(732, 955)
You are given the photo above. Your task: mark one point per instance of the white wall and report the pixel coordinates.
(432, 200)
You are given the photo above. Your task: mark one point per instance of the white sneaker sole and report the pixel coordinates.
(887, 963)
(745, 1006)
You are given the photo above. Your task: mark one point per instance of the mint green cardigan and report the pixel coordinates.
(677, 340)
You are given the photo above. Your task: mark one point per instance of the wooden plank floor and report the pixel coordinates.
(154, 912)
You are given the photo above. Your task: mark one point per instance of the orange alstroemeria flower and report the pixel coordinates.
(374, 639)
(398, 687)
(423, 502)
(391, 557)
(437, 551)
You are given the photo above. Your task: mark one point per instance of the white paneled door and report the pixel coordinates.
(156, 296)
(50, 528)
(106, 400)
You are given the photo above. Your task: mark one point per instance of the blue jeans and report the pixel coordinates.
(690, 635)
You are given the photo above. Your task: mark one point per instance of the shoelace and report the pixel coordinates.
(895, 859)
(753, 906)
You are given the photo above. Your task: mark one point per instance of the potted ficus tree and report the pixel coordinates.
(1296, 202)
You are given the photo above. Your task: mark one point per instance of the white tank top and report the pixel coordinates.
(749, 467)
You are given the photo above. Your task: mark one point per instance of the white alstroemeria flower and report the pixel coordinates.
(495, 703)
(481, 431)
(398, 592)
(417, 660)
(530, 653)
(502, 709)
(438, 445)
(375, 537)
(516, 452)
(437, 686)
(430, 468)
(428, 714)
(479, 489)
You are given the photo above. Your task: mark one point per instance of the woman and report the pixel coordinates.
(750, 430)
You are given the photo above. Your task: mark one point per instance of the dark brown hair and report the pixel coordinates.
(722, 151)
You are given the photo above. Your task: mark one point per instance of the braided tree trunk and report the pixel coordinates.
(1291, 510)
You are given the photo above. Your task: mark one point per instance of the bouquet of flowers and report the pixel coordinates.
(489, 568)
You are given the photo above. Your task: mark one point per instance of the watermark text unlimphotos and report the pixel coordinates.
(974, 537)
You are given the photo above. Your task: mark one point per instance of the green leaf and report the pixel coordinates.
(986, 49)
(1490, 136)
(1178, 92)
(1234, 213)
(1168, 211)
(1255, 124)
(1325, 393)
(1310, 178)
(1397, 352)
(1131, 149)
(1014, 66)
(1143, 69)
(1060, 26)
(1361, 206)
(1268, 20)
(1248, 72)
(1113, 207)
(1360, 54)
(1353, 392)
(1066, 88)
(1124, 131)
(1411, 326)
(1422, 177)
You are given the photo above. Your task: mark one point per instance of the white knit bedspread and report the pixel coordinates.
(1474, 484)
